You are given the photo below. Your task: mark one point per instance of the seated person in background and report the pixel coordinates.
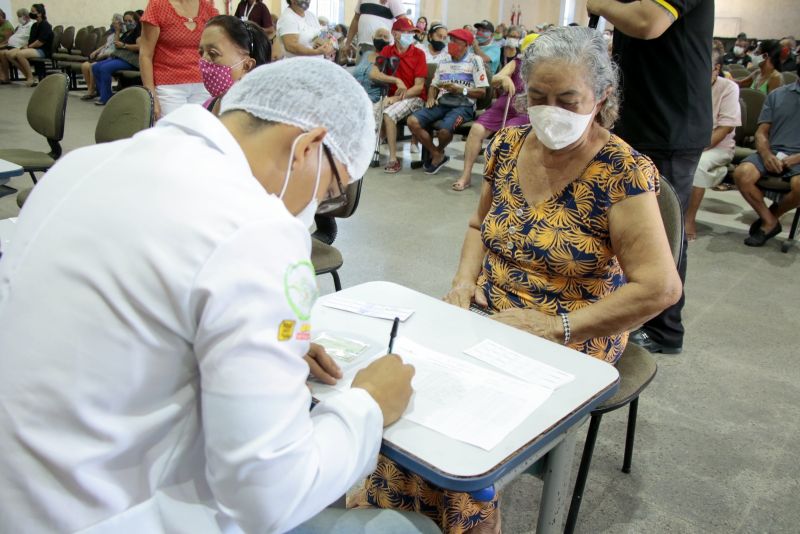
(768, 76)
(40, 45)
(500, 32)
(486, 47)
(451, 99)
(299, 31)
(509, 81)
(532, 255)
(407, 93)
(125, 56)
(229, 49)
(788, 57)
(6, 29)
(186, 408)
(738, 54)
(113, 35)
(778, 154)
(435, 48)
(713, 165)
(18, 39)
(363, 69)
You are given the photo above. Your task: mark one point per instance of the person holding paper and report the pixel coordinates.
(156, 382)
(567, 241)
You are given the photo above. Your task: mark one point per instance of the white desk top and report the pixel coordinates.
(450, 330)
(9, 170)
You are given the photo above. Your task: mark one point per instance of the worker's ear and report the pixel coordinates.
(307, 151)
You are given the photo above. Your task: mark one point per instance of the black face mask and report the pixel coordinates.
(438, 45)
(380, 44)
(34, 16)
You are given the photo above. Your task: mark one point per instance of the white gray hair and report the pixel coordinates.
(117, 18)
(23, 12)
(587, 48)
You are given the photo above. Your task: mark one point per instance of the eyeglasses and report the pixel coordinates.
(333, 203)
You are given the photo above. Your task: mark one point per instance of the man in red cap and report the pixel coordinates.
(407, 92)
(455, 88)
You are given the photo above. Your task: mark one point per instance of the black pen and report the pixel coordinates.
(393, 335)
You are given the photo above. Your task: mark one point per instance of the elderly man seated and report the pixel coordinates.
(778, 154)
(17, 39)
(407, 94)
(718, 154)
(456, 86)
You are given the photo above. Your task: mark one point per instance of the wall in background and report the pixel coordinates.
(761, 20)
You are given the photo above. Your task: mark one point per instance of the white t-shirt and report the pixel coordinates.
(21, 35)
(376, 14)
(155, 315)
(306, 28)
(430, 58)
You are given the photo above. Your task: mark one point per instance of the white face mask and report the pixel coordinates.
(556, 127)
(512, 42)
(738, 50)
(406, 39)
(306, 215)
(22, 20)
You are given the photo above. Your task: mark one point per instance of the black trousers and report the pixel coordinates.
(676, 167)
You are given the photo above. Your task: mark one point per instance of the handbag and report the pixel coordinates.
(127, 55)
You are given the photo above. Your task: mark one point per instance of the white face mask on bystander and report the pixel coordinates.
(556, 127)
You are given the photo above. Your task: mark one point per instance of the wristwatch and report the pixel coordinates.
(465, 91)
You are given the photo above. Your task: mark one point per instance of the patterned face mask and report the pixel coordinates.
(217, 79)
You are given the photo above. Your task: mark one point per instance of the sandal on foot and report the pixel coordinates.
(458, 186)
(88, 96)
(393, 167)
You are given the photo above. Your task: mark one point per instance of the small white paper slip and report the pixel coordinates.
(516, 364)
(463, 401)
(360, 307)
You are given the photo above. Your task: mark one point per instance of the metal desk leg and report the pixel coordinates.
(555, 493)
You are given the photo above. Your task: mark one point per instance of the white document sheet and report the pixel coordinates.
(516, 364)
(360, 307)
(464, 401)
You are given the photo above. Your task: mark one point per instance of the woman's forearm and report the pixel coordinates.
(623, 310)
(471, 261)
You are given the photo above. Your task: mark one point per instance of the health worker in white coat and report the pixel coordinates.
(155, 306)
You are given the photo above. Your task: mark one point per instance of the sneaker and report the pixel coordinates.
(640, 337)
(430, 168)
(414, 149)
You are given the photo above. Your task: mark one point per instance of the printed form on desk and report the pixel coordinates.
(464, 401)
(518, 365)
(360, 307)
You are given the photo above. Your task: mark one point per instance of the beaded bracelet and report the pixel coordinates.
(565, 322)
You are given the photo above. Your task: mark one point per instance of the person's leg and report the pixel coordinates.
(474, 141)
(86, 70)
(102, 75)
(665, 331)
(418, 123)
(746, 176)
(690, 223)
(171, 97)
(21, 60)
(710, 171)
(5, 70)
(367, 521)
(454, 118)
(790, 200)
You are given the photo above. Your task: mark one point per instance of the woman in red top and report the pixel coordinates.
(168, 59)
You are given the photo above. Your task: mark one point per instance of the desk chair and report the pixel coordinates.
(637, 368)
(324, 256)
(774, 188)
(753, 102)
(46, 111)
(126, 113)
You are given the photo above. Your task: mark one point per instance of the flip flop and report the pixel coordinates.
(393, 167)
(460, 187)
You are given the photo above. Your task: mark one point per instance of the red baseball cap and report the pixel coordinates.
(403, 24)
(464, 35)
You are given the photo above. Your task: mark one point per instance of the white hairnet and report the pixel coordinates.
(309, 93)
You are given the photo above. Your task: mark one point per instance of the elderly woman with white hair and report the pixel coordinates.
(567, 242)
(104, 51)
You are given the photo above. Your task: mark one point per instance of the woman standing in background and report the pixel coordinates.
(171, 31)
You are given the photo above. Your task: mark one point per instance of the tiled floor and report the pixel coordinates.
(718, 439)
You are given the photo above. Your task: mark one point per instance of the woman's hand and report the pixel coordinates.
(508, 86)
(533, 321)
(464, 294)
(119, 44)
(322, 366)
(156, 107)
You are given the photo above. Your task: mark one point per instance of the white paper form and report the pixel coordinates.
(464, 401)
(360, 307)
(516, 364)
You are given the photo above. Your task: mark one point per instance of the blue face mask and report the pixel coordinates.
(406, 39)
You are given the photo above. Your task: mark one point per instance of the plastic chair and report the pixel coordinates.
(46, 112)
(775, 188)
(637, 368)
(753, 102)
(324, 256)
(126, 113)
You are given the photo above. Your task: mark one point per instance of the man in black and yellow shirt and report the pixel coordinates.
(663, 48)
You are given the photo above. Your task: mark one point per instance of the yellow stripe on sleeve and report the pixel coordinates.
(666, 5)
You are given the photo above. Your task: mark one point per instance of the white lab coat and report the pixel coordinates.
(143, 386)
